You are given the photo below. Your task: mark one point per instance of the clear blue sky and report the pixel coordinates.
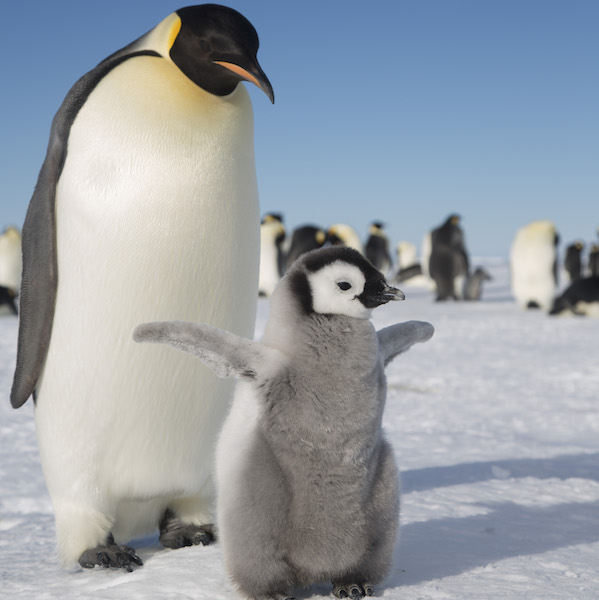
(400, 111)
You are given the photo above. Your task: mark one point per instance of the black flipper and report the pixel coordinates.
(40, 272)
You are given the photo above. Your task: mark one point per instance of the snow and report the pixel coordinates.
(495, 422)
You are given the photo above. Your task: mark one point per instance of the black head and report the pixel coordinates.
(339, 280)
(216, 48)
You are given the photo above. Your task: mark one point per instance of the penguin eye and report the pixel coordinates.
(344, 285)
(205, 46)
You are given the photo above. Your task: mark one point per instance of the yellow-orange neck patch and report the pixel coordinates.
(174, 32)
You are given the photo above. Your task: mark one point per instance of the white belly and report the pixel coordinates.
(532, 274)
(157, 219)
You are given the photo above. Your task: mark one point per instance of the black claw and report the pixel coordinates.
(202, 537)
(352, 590)
(124, 562)
(175, 534)
(110, 556)
(104, 559)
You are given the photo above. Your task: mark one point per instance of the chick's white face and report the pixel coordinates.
(335, 290)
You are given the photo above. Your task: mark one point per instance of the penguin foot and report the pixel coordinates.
(110, 556)
(176, 534)
(352, 590)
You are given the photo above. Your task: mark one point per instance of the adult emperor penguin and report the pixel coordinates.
(307, 484)
(343, 234)
(573, 260)
(272, 236)
(533, 265)
(7, 297)
(449, 263)
(304, 239)
(581, 297)
(146, 205)
(10, 259)
(376, 248)
(410, 270)
(594, 259)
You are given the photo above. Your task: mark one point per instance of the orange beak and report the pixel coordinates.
(262, 83)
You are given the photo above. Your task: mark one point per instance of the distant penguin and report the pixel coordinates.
(594, 260)
(581, 297)
(409, 269)
(533, 265)
(272, 236)
(426, 248)
(10, 259)
(308, 487)
(304, 239)
(343, 234)
(7, 298)
(376, 248)
(473, 287)
(406, 255)
(573, 261)
(146, 207)
(449, 264)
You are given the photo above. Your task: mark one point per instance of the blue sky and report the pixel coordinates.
(399, 111)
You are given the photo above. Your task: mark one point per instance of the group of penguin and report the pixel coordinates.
(535, 272)
(445, 264)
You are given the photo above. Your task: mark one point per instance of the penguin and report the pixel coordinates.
(410, 270)
(473, 287)
(426, 247)
(581, 297)
(594, 260)
(7, 297)
(448, 263)
(376, 248)
(308, 487)
(573, 261)
(341, 233)
(146, 205)
(10, 259)
(272, 236)
(533, 265)
(304, 239)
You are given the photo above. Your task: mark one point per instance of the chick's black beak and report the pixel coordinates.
(382, 295)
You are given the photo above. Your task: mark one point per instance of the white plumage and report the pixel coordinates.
(533, 258)
(10, 258)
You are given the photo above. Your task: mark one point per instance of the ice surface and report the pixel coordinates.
(495, 422)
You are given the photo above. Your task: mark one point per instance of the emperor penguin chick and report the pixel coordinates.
(307, 485)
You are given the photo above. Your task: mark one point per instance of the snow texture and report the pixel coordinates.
(495, 423)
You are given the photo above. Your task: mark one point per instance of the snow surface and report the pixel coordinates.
(495, 422)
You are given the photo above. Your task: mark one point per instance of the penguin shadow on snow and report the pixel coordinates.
(583, 466)
(440, 548)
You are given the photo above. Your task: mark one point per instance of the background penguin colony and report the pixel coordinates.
(444, 265)
(280, 248)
